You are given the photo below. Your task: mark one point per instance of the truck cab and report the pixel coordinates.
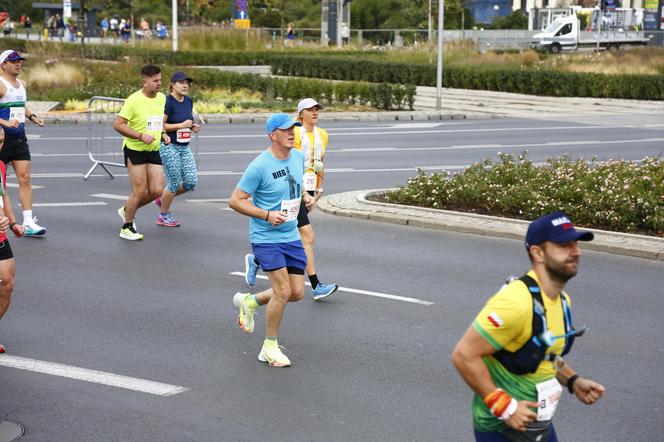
(561, 35)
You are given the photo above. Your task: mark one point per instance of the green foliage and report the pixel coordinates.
(620, 195)
(522, 80)
(515, 20)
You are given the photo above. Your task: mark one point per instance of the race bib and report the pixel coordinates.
(548, 397)
(290, 208)
(309, 181)
(183, 136)
(17, 113)
(155, 124)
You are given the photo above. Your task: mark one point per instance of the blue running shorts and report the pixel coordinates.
(273, 257)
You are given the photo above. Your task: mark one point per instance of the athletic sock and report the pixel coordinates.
(270, 342)
(314, 281)
(127, 225)
(252, 302)
(27, 216)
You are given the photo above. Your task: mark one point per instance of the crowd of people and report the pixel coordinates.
(511, 356)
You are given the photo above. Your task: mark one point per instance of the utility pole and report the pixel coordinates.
(430, 34)
(175, 25)
(439, 70)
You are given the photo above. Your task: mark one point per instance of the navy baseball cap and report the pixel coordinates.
(555, 227)
(10, 55)
(280, 121)
(180, 76)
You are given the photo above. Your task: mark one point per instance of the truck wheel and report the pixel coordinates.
(555, 48)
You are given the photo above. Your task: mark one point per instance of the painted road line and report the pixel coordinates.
(81, 204)
(110, 196)
(15, 186)
(361, 292)
(93, 376)
(209, 200)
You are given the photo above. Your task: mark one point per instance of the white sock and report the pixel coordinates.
(27, 217)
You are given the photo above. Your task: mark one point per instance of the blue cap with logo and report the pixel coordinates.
(280, 121)
(555, 227)
(10, 55)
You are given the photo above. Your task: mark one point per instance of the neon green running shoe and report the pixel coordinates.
(246, 317)
(130, 234)
(273, 356)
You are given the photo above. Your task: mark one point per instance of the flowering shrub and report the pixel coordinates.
(619, 195)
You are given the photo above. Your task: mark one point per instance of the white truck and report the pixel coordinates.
(563, 34)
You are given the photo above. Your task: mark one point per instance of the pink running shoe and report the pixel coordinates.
(157, 201)
(167, 221)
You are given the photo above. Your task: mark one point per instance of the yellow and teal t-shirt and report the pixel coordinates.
(506, 323)
(144, 115)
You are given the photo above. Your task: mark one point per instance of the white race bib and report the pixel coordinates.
(309, 181)
(290, 208)
(155, 124)
(183, 136)
(548, 397)
(17, 113)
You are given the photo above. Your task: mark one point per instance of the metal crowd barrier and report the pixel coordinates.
(104, 143)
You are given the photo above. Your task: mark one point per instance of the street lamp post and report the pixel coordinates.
(175, 25)
(439, 70)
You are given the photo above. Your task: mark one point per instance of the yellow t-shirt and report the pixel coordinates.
(144, 115)
(298, 145)
(506, 322)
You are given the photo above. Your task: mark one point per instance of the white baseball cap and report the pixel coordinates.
(10, 55)
(307, 103)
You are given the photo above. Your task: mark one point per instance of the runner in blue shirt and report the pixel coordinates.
(274, 182)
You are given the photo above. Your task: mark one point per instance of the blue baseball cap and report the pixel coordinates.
(179, 76)
(10, 55)
(280, 121)
(555, 227)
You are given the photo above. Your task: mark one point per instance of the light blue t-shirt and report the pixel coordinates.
(270, 181)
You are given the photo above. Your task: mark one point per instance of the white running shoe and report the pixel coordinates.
(246, 317)
(33, 229)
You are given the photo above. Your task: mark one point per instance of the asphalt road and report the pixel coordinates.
(366, 366)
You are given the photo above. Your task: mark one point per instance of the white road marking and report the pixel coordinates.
(15, 186)
(93, 376)
(110, 196)
(414, 126)
(92, 203)
(208, 200)
(392, 149)
(361, 292)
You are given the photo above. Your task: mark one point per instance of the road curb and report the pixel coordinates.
(355, 205)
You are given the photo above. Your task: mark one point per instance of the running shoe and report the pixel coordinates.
(274, 356)
(250, 269)
(2, 348)
(322, 291)
(157, 201)
(246, 317)
(130, 234)
(167, 221)
(33, 229)
(121, 212)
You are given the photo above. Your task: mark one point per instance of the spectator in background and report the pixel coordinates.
(290, 35)
(7, 27)
(113, 25)
(51, 26)
(27, 24)
(104, 27)
(59, 26)
(161, 30)
(144, 27)
(73, 29)
(125, 30)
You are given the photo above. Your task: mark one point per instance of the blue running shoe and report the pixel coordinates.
(250, 269)
(322, 291)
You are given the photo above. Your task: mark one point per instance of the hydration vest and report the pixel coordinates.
(528, 357)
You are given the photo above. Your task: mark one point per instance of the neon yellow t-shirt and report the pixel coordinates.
(506, 323)
(144, 115)
(298, 145)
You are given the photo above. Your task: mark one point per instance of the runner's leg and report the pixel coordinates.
(7, 273)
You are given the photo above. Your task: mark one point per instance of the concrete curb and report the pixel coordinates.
(247, 118)
(355, 205)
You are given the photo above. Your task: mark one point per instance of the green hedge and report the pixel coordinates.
(526, 81)
(124, 80)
